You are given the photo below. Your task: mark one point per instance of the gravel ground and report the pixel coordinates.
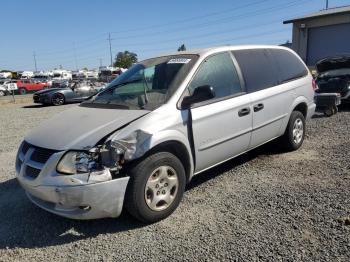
(264, 205)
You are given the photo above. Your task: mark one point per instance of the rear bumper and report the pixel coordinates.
(92, 201)
(310, 110)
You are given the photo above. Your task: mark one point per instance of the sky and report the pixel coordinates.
(73, 34)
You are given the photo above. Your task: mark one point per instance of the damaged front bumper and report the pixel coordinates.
(72, 196)
(102, 199)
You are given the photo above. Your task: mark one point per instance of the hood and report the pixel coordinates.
(50, 90)
(333, 63)
(80, 127)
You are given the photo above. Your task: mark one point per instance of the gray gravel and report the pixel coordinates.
(264, 205)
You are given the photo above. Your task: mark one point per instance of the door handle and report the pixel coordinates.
(244, 111)
(258, 107)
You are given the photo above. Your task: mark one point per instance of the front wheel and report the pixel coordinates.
(295, 133)
(2, 93)
(156, 186)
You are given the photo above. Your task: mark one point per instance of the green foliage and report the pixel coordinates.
(125, 59)
(182, 48)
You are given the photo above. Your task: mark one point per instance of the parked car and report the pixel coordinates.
(333, 76)
(78, 92)
(142, 139)
(28, 85)
(3, 91)
(7, 86)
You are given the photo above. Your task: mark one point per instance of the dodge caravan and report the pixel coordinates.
(141, 140)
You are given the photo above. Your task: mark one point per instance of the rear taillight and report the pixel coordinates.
(313, 84)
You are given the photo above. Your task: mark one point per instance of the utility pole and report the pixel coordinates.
(34, 55)
(75, 57)
(110, 47)
(326, 4)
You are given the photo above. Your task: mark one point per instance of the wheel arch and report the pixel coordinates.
(178, 149)
(302, 108)
(299, 104)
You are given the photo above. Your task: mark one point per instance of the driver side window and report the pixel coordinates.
(219, 72)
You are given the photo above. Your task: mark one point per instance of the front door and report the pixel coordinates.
(221, 126)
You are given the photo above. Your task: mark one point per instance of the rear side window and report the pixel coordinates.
(219, 72)
(290, 67)
(258, 69)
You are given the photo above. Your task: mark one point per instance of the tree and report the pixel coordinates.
(182, 48)
(125, 59)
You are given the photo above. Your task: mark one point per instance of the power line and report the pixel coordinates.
(211, 23)
(94, 39)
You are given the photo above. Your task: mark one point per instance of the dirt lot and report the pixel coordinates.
(264, 205)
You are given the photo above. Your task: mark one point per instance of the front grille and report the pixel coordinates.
(37, 155)
(41, 155)
(25, 147)
(32, 172)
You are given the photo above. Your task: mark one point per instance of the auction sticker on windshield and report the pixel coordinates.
(179, 61)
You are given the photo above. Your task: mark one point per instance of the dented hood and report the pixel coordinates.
(80, 127)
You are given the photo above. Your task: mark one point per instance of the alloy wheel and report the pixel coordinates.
(298, 131)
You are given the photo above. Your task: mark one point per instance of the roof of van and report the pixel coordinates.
(207, 51)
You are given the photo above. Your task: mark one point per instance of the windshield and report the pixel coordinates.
(146, 85)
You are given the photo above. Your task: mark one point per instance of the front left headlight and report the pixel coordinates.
(75, 162)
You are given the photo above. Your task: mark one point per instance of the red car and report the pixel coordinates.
(24, 86)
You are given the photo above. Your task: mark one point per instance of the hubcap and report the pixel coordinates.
(161, 188)
(58, 100)
(298, 131)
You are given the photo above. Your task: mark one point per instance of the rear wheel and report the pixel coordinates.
(295, 133)
(2, 93)
(22, 91)
(58, 99)
(156, 187)
(331, 111)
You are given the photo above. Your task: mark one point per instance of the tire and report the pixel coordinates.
(329, 111)
(153, 179)
(58, 99)
(2, 93)
(22, 91)
(295, 132)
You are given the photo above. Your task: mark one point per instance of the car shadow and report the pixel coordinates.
(344, 107)
(35, 106)
(27, 226)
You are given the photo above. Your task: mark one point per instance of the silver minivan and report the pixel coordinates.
(139, 142)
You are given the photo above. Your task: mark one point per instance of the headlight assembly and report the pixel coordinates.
(75, 162)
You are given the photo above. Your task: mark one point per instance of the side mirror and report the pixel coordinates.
(200, 94)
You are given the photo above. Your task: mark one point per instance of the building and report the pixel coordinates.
(321, 34)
